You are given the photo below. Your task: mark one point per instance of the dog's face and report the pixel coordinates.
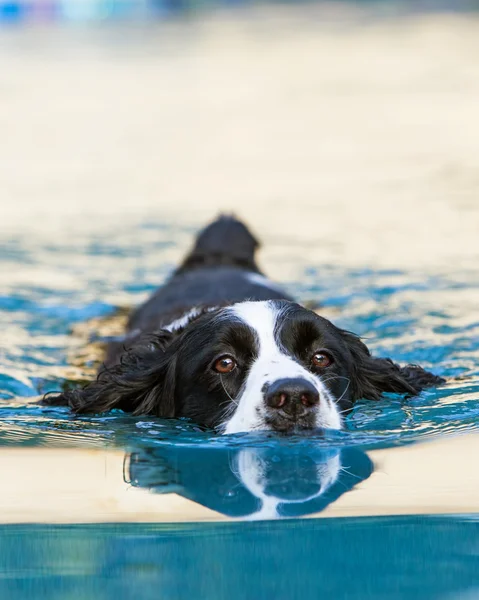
(263, 365)
(270, 365)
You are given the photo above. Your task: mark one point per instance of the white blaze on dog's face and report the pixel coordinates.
(278, 388)
(270, 365)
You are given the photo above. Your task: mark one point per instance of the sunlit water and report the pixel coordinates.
(359, 172)
(430, 319)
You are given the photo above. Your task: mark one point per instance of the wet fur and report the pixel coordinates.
(144, 382)
(142, 373)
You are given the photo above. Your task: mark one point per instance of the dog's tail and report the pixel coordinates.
(225, 242)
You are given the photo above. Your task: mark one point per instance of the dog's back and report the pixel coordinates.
(220, 269)
(226, 242)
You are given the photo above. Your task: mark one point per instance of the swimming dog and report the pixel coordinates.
(221, 344)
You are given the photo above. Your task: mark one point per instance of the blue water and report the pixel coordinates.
(333, 558)
(429, 318)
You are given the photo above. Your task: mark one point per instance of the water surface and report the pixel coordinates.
(359, 174)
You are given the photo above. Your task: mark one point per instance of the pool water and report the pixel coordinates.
(331, 558)
(424, 318)
(359, 174)
(428, 318)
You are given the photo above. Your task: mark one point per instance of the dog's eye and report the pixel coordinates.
(322, 360)
(224, 364)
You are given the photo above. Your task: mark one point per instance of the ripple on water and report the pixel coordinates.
(429, 318)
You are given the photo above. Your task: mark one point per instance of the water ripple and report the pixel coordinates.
(427, 318)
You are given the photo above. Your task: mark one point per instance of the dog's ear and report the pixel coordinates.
(143, 382)
(374, 376)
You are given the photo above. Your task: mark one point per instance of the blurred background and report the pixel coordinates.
(345, 134)
(103, 9)
(359, 116)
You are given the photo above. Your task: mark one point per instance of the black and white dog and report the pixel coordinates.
(222, 345)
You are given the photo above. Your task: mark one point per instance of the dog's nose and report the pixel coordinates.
(289, 394)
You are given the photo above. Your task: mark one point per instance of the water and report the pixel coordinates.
(331, 558)
(423, 317)
(405, 315)
(428, 319)
(375, 220)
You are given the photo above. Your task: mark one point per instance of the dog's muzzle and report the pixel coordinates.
(290, 404)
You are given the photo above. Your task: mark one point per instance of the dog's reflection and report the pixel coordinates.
(255, 483)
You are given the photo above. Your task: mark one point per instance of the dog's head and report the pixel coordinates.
(251, 366)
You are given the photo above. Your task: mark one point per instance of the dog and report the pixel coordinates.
(222, 345)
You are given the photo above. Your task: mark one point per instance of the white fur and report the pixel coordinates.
(271, 364)
(183, 321)
(186, 318)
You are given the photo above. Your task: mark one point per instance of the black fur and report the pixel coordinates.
(226, 242)
(215, 272)
(372, 377)
(142, 383)
(168, 373)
